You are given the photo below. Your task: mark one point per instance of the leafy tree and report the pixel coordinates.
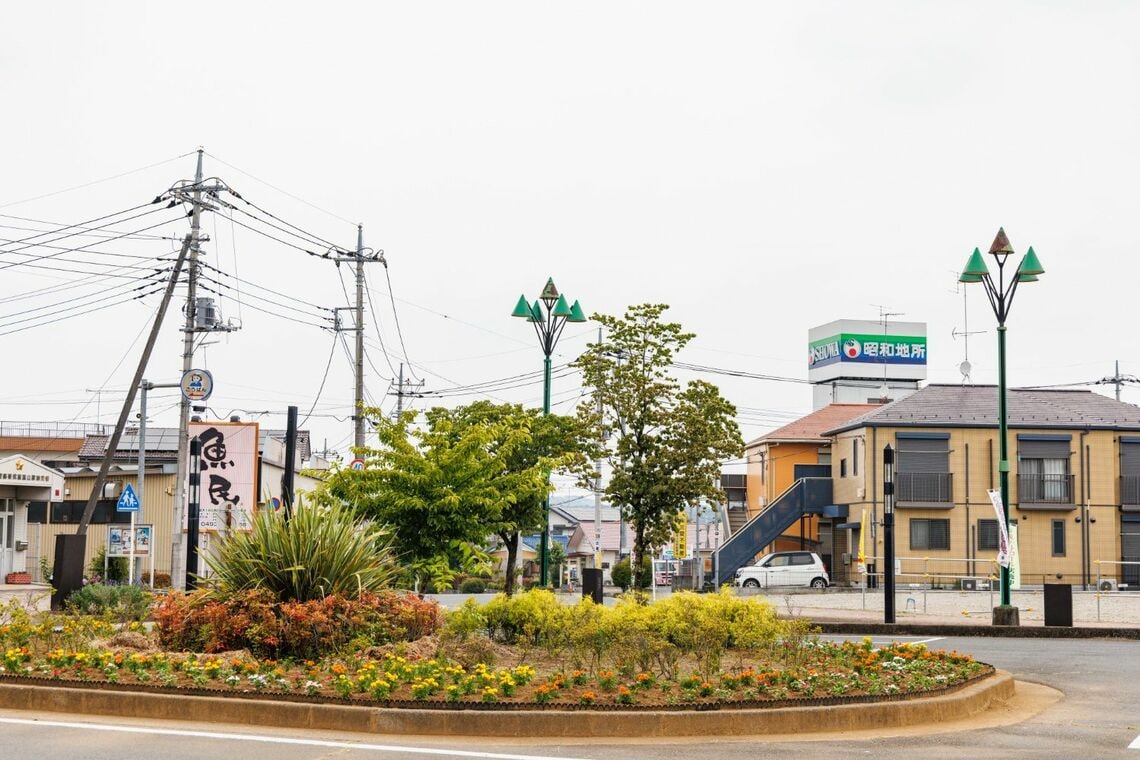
(530, 444)
(667, 442)
(557, 558)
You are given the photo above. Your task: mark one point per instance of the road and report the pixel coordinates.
(1099, 716)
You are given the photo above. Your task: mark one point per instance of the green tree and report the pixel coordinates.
(530, 444)
(557, 558)
(436, 488)
(666, 442)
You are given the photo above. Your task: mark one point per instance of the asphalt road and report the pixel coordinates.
(1099, 716)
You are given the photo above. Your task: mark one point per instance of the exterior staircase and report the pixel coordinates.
(805, 496)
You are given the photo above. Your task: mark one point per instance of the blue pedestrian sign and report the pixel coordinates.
(128, 501)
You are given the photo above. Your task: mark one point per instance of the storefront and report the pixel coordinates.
(22, 480)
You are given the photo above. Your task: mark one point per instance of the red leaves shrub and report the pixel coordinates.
(255, 620)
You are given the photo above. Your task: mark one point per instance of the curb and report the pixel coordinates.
(993, 631)
(962, 703)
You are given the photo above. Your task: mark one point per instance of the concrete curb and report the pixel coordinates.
(994, 631)
(963, 703)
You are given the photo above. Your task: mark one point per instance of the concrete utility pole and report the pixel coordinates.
(401, 393)
(598, 492)
(176, 544)
(357, 415)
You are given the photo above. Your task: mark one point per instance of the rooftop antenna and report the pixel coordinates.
(884, 320)
(965, 332)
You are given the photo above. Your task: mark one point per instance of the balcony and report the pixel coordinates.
(924, 488)
(1045, 489)
(1130, 491)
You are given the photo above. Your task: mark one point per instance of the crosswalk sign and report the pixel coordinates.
(128, 501)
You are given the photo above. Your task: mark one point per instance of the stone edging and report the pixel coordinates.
(961, 703)
(995, 631)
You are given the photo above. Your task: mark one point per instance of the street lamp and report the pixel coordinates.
(1001, 298)
(549, 315)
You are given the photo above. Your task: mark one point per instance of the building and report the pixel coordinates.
(777, 460)
(852, 361)
(1074, 483)
(32, 518)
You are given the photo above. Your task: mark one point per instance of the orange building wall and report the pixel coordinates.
(778, 461)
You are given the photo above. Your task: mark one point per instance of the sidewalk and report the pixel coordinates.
(1091, 609)
(29, 594)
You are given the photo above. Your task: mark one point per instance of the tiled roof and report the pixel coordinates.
(976, 406)
(812, 427)
(33, 443)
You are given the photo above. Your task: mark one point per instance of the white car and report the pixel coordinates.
(785, 569)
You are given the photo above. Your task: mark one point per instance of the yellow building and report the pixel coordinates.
(1074, 484)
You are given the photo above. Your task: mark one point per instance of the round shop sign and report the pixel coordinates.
(357, 464)
(197, 384)
(852, 348)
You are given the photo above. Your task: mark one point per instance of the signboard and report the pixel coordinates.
(227, 466)
(357, 464)
(681, 535)
(120, 543)
(861, 349)
(128, 501)
(197, 384)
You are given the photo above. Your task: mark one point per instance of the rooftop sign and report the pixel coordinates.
(864, 350)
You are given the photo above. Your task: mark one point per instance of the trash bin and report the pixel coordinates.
(1059, 604)
(592, 584)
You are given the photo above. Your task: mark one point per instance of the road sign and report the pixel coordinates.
(357, 464)
(197, 384)
(128, 501)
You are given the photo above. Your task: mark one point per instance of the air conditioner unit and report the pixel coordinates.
(1106, 584)
(860, 493)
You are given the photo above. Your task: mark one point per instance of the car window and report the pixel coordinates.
(780, 560)
(801, 559)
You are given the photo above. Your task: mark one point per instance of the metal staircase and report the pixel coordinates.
(805, 496)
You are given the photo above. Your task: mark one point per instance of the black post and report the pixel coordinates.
(192, 516)
(888, 535)
(290, 469)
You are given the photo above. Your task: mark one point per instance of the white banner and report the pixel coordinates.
(227, 496)
(1003, 557)
(1014, 561)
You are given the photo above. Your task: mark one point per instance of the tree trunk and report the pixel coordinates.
(511, 541)
(635, 557)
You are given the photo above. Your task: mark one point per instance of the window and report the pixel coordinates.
(929, 533)
(1058, 538)
(923, 468)
(988, 534)
(779, 560)
(1130, 470)
(37, 512)
(842, 468)
(72, 512)
(1043, 469)
(802, 558)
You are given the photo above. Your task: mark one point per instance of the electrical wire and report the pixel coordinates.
(96, 181)
(396, 319)
(81, 313)
(283, 192)
(700, 368)
(321, 389)
(80, 248)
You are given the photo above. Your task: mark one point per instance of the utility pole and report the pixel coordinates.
(359, 257)
(1118, 380)
(357, 413)
(598, 491)
(401, 393)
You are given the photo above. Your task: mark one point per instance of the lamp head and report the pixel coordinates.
(549, 292)
(576, 314)
(522, 308)
(975, 269)
(1001, 245)
(1030, 265)
(561, 308)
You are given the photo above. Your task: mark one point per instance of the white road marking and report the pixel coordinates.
(1135, 743)
(278, 740)
(927, 641)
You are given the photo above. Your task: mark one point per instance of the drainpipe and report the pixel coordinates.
(969, 562)
(874, 461)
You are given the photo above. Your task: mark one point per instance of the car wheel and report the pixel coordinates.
(751, 583)
(819, 583)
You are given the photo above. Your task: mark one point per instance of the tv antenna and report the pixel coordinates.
(965, 332)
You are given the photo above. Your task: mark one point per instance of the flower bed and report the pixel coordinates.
(830, 672)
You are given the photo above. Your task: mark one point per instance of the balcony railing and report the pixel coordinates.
(926, 487)
(1045, 489)
(1130, 490)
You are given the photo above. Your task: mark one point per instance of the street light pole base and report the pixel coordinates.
(1006, 615)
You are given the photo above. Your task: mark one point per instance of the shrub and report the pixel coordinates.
(255, 620)
(622, 577)
(319, 552)
(123, 603)
(161, 580)
(472, 586)
(115, 567)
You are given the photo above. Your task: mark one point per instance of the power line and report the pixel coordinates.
(321, 389)
(283, 192)
(738, 373)
(396, 318)
(95, 182)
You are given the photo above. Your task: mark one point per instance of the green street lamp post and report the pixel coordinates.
(549, 315)
(1001, 295)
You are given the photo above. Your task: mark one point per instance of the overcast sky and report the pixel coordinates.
(762, 167)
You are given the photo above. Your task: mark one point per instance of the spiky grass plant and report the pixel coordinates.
(320, 551)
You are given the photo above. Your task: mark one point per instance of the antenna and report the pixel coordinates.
(965, 332)
(884, 320)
